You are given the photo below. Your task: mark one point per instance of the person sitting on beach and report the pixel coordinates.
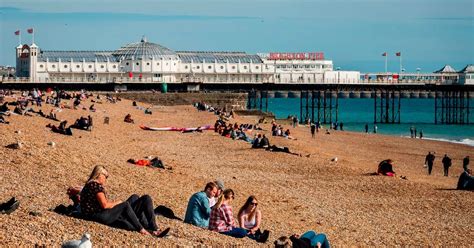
(257, 141)
(198, 211)
(2, 120)
(81, 123)
(134, 214)
(52, 115)
(215, 197)
(222, 219)
(128, 119)
(250, 219)
(148, 111)
(264, 142)
(287, 135)
(466, 180)
(386, 168)
(4, 107)
(92, 108)
(309, 239)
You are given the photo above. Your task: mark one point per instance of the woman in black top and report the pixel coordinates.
(134, 214)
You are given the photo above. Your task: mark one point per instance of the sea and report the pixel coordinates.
(417, 113)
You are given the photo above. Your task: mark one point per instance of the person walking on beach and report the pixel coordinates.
(415, 132)
(341, 126)
(421, 134)
(313, 130)
(465, 163)
(429, 160)
(375, 128)
(446, 164)
(295, 120)
(366, 128)
(411, 132)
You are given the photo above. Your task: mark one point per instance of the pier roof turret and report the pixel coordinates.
(143, 50)
(446, 69)
(467, 69)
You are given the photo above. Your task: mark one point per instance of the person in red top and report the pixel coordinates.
(135, 214)
(222, 220)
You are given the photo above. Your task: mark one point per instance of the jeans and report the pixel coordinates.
(236, 232)
(316, 238)
(446, 171)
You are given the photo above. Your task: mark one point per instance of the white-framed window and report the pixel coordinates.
(222, 67)
(245, 67)
(209, 67)
(53, 66)
(148, 63)
(137, 63)
(102, 66)
(65, 66)
(90, 66)
(185, 67)
(233, 67)
(114, 66)
(41, 66)
(256, 67)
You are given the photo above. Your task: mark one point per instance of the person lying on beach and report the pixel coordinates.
(222, 219)
(136, 213)
(309, 239)
(284, 149)
(250, 219)
(154, 162)
(198, 211)
(128, 119)
(61, 129)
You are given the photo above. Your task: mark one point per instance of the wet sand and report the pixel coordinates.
(295, 193)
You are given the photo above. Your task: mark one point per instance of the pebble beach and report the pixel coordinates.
(312, 192)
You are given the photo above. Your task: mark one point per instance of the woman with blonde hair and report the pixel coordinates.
(250, 218)
(134, 214)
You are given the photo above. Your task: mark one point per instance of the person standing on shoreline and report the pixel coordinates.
(366, 128)
(446, 164)
(375, 128)
(313, 130)
(411, 132)
(429, 160)
(465, 163)
(415, 132)
(421, 134)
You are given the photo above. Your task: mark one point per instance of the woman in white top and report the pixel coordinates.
(250, 219)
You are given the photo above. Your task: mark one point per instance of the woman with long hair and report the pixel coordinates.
(135, 214)
(222, 219)
(250, 218)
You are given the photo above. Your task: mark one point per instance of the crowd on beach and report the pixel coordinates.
(210, 208)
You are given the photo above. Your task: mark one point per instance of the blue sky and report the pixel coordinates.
(353, 33)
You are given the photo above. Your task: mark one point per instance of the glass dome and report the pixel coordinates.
(143, 50)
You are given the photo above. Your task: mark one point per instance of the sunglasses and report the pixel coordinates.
(254, 204)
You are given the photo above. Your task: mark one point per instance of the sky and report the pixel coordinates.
(352, 33)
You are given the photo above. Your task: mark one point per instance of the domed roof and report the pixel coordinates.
(143, 50)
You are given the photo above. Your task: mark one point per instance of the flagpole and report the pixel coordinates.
(386, 58)
(33, 37)
(401, 67)
(19, 38)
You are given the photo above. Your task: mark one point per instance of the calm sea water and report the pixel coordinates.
(355, 113)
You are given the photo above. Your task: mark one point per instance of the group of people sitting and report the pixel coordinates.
(277, 130)
(223, 113)
(84, 123)
(210, 209)
(234, 131)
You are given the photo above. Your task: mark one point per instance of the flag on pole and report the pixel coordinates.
(30, 30)
(17, 32)
(384, 54)
(398, 54)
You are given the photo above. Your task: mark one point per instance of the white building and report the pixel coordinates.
(149, 62)
(466, 75)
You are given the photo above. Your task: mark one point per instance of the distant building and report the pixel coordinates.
(145, 62)
(466, 75)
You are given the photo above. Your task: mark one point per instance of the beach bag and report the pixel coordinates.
(425, 165)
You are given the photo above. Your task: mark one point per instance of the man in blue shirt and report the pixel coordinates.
(198, 211)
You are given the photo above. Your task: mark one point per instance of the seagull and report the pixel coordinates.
(84, 242)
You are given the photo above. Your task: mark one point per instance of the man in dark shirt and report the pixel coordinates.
(446, 164)
(465, 163)
(429, 160)
(313, 130)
